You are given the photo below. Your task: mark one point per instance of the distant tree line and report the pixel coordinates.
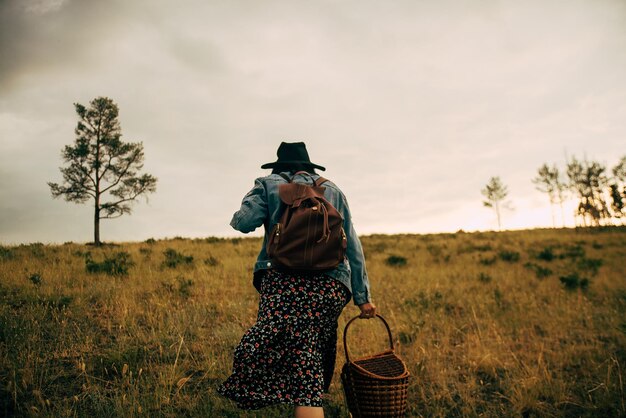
(600, 192)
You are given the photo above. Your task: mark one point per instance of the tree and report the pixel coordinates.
(617, 197)
(619, 171)
(100, 163)
(545, 182)
(549, 181)
(589, 181)
(495, 192)
(561, 191)
(618, 189)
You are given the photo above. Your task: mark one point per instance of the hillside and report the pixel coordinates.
(524, 323)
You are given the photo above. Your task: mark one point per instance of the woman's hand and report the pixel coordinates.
(368, 310)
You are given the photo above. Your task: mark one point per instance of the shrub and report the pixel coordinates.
(573, 251)
(500, 300)
(81, 254)
(547, 254)
(540, 271)
(115, 265)
(211, 261)
(487, 261)
(36, 249)
(150, 241)
(573, 281)
(184, 286)
(509, 256)
(484, 277)
(173, 258)
(396, 261)
(591, 265)
(6, 253)
(35, 279)
(57, 301)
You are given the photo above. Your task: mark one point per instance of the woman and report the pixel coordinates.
(288, 356)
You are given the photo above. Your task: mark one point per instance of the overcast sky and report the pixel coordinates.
(411, 105)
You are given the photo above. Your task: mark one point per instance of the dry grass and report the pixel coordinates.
(484, 331)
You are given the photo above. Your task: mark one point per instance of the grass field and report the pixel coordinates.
(524, 323)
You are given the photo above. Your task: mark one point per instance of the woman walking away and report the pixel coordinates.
(288, 355)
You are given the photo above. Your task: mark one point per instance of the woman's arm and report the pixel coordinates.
(354, 252)
(253, 210)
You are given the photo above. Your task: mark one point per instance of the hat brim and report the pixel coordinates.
(292, 162)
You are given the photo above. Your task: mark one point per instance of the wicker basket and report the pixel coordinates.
(376, 385)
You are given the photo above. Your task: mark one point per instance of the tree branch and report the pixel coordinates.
(106, 168)
(121, 174)
(127, 199)
(112, 217)
(86, 173)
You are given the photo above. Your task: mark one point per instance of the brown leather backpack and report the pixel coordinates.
(309, 234)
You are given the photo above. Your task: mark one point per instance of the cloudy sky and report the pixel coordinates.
(411, 105)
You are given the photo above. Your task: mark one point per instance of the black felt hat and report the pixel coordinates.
(292, 154)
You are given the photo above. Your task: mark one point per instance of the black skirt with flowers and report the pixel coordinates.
(288, 356)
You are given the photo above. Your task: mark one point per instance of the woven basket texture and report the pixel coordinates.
(376, 385)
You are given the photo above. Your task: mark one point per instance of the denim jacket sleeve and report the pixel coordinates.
(354, 252)
(253, 211)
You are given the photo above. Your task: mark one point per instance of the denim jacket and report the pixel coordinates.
(262, 206)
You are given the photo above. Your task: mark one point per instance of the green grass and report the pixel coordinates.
(154, 335)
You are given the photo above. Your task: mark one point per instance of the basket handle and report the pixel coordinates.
(345, 333)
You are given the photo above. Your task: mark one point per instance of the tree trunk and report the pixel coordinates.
(498, 214)
(96, 216)
(96, 225)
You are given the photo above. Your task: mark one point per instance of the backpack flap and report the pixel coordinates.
(293, 194)
(309, 235)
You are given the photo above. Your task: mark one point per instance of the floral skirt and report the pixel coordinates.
(288, 355)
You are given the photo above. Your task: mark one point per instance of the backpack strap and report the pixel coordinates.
(320, 181)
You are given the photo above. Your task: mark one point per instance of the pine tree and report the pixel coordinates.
(549, 181)
(589, 181)
(99, 163)
(545, 182)
(618, 189)
(495, 192)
